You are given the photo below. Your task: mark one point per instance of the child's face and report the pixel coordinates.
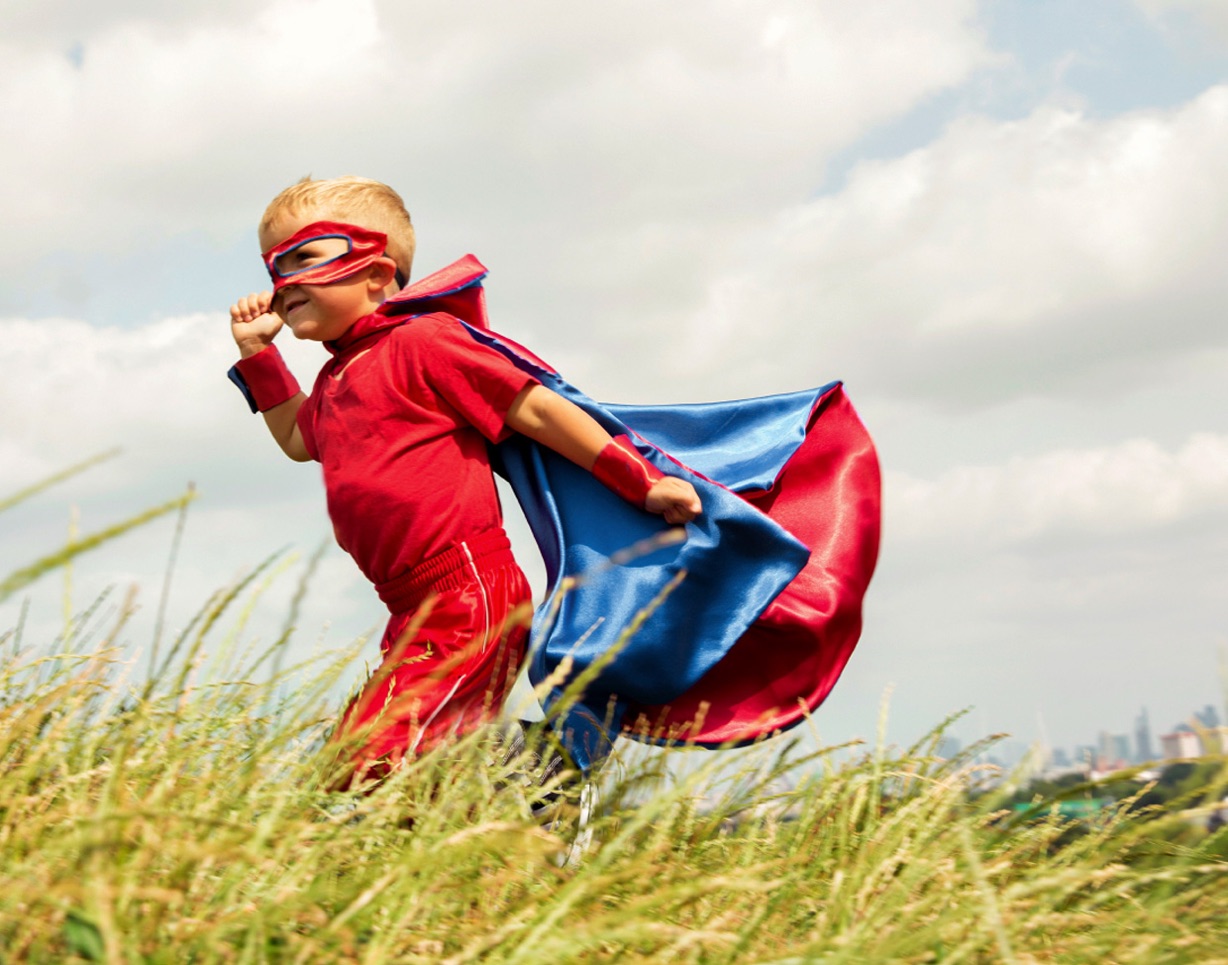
(320, 312)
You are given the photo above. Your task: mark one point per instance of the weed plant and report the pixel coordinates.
(184, 817)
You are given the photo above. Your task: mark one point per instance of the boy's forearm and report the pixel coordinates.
(546, 417)
(282, 422)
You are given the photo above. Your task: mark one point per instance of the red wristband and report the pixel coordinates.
(264, 379)
(626, 473)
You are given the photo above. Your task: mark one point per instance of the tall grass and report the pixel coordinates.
(184, 816)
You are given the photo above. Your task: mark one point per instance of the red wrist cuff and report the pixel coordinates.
(264, 379)
(626, 473)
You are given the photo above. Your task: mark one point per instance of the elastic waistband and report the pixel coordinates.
(444, 571)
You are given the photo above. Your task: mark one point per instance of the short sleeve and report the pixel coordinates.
(476, 380)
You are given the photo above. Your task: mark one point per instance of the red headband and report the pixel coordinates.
(364, 247)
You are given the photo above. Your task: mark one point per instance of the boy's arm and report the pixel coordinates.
(282, 421)
(546, 417)
(254, 328)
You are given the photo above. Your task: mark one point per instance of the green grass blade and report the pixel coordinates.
(23, 577)
(22, 495)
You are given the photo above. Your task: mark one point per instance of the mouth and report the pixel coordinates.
(292, 302)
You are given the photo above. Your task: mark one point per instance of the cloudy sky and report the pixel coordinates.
(1001, 223)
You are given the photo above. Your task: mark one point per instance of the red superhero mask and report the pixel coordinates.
(323, 252)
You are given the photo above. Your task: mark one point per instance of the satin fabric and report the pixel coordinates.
(772, 575)
(825, 493)
(444, 672)
(740, 630)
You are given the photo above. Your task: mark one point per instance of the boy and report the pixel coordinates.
(400, 419)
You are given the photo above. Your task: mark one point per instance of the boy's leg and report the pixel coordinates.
(444, 674)
(587, 728)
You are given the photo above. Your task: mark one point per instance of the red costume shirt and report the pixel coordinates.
(399, 420)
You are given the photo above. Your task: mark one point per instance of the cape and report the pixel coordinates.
(735, 632)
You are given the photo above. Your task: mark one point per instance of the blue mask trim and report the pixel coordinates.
(349, 242)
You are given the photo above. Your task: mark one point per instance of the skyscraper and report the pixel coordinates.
(1113, 750)
(1142, 736)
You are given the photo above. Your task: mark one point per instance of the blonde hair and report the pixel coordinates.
(352, 200)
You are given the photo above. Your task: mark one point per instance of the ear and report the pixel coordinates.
(381, 274)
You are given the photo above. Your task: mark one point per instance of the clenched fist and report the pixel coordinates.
(675, 499)
(253, 324)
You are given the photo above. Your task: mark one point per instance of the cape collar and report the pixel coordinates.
(456, 289)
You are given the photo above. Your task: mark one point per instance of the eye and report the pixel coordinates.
(314, 251)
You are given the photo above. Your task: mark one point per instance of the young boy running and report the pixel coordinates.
(400, 419)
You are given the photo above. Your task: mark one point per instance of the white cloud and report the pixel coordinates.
(1003, 259)
(150, 131)
(542, 126)
(158, 391)
(1131, 488)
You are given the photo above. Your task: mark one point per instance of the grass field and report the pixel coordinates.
(183, 817)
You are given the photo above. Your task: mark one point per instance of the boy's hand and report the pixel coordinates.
(252, 323)
(675, 499)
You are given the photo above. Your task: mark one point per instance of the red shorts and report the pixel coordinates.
(451, 651)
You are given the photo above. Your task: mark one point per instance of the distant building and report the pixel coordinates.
(1180, 745)
(1142, 736)
(1060, 758)
(1113, 751)
(1208, 717)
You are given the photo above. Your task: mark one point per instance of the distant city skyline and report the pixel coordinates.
(1201, 733)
